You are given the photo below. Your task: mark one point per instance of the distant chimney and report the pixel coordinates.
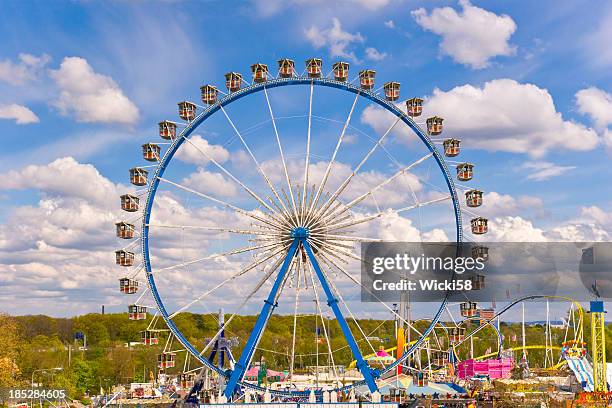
(102, 309)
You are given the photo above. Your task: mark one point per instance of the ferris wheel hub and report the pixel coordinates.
(300, 232)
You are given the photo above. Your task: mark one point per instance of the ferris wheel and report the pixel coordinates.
(259, 203)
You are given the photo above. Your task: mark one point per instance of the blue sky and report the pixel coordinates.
(525, 85)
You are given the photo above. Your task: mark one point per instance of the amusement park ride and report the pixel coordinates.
(300, 236)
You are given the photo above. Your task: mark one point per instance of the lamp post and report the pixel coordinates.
(44, 370)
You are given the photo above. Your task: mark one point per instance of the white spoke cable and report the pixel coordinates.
(230, 175)
(216, 229)
(282, 155)
(259, 168)
(224, 203)
(244, 302)
(333, 158)
(356, 170)
(337, 292)
(306, 170)
(318, 305)
(380, 185)
(348, 275)
(252, 266)
(219, 255)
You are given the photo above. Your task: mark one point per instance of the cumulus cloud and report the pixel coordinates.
(592, 224)
(514, 229)
(197, 150)
(335, 39)
(210, 182)
(90, 96)
(543, 170)
(505, 115)
(471, 37)
(495, 204)
(19, 113)
(27, 69)
(375, 55)
(65, 177)
(597, 104)
(396, 194)
(390, 24)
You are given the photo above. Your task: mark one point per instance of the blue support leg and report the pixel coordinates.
(363, 366)
(268, 307)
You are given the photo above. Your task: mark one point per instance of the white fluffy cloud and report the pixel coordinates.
(27, 69)
(592, 224)
(514, 229)
(20, 114)
(335, 39)
(90, 96)
(472, 36)
(375, 55)
(495, 204)
(209, 182)
(597, 104)
(505, 115)
(197, 151)
(65, 177)
(543, 170)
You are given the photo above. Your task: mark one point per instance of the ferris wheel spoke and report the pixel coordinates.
(269, 223)
(318, 306)
(334, 237)
(333, 304)
(384, 183)
(363, 287)
(380, 214)
(282, 155)
(261, 282)
(332, 160)
(220, 255)
(346, 182)
(295, 313)
(269, 305)
(339, 294)
(234, 178)
(257, 164)
(215, 229)
(250, 267)
(307, 165)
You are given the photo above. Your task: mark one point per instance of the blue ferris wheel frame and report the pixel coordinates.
(210, 110)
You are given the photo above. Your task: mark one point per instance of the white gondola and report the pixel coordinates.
(341, 71)
(392, 91)
(167, 130)
(128, 286)
(366, 78)
(151, 152)
(414, 107)
(209, 94)
(125, 230)
(187, 110)
(124, 258)
(129, 203)
(465, 171)
(286, 68)
(260, 72)
(314, 66)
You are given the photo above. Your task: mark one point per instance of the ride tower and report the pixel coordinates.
(598, 344)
